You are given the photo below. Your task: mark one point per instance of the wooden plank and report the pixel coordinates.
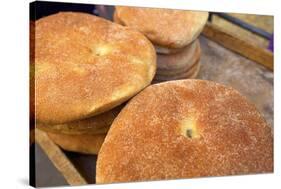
(31, 136)
(60, 161)
(240, 46)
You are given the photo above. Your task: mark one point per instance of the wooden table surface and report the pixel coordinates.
(217, 64)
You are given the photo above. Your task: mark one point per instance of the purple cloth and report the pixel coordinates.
(271, 42)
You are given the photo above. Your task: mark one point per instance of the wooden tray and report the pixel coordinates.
(225, 59)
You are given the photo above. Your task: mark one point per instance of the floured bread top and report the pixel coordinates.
(183, 129)
(166, 28)
(86, 65)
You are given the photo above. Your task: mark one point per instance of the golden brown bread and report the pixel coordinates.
(166, 50)
(179, 62)
(166, 28)
(184, 129)
(84, 126)
(188, 74)
(31, 72)
(86, 144)
(98, 124)
(86, 65)
(195, 73)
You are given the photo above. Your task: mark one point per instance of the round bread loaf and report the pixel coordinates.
(98, 124)
(184, 129)
(166, 28)
(86, 144)
(179, 62)
(86, 65)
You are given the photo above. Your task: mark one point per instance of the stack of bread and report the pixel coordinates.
(174, 34)
(86, 68)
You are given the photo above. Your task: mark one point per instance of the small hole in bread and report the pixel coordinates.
(189, 133)
(188, 128)
(101, 50)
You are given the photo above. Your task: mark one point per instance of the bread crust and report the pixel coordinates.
(85, 144)
(166, 28)
(86, 65)
(195, 73)
(98, 124)
(189, 74)
(179, 62)
(146, 141)
(166, 50)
